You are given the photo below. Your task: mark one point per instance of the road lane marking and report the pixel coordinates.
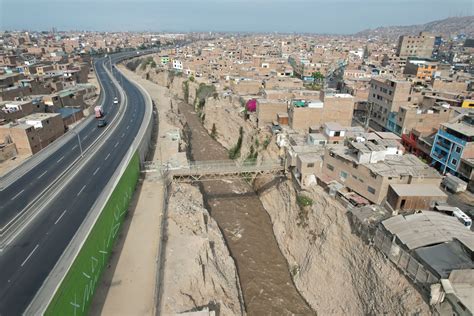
(123, 134)
(116, 144)
(75, 146)
(29, 256)
(41, 175)
(16, 195)
(59, 160)
(60, 216)
(128, 126)
(79, 193)
(85, 137)
(96, 171)
(107, 157)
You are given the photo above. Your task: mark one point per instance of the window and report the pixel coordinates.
(330, 167)
(458, 149)
(370, 189)
(454, 161)
(343, 175)
(310, 165)
(337, 133)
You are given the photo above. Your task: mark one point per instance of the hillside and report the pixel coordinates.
(447, 27)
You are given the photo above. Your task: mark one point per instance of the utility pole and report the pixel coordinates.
(79, 140)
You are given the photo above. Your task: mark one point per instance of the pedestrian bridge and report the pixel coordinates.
(209, 170)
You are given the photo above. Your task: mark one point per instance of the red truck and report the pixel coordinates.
(98, 112)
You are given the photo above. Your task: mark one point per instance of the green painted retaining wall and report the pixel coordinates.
(75, 293)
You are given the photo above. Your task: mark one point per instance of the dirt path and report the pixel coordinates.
(265, 280)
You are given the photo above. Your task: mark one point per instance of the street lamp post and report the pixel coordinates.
(80, 144)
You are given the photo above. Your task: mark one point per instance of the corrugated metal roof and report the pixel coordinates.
(427, 228)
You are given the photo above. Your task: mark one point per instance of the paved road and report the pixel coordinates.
(26, 263)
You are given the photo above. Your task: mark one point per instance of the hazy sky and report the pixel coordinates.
(312, 16)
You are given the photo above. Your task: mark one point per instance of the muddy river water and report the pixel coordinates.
(265, 279)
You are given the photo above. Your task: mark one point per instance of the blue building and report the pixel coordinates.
(453, 142)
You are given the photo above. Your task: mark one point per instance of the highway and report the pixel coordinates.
(27, 260)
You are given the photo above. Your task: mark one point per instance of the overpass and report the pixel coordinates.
(192, 171)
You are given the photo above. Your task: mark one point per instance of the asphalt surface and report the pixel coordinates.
(26, 262)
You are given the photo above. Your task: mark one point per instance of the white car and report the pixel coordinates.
(115, 100)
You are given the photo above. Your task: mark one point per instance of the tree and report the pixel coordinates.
(317, 76)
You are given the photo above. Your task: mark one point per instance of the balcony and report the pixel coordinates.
(441, 157)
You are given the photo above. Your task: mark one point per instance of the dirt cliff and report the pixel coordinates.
(198, 268)
(335, 270)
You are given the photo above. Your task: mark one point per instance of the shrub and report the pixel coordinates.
(266, 142)
(214, 131)
(186, 91)
(234, 152)
(304, 201)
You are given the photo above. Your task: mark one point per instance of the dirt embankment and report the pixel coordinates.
(334, 269)
(199, 270)
(266, 283)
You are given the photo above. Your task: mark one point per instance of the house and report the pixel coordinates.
(421, 69)
(330, 107)
(452, 143)
(368, 168)
(385, 98)
(33, 132)
(402, 197)
(267, 110)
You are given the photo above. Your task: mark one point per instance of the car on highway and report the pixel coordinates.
(101, 123)
(116, 100)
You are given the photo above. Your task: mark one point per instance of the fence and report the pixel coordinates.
(75, 292)
(405, 261)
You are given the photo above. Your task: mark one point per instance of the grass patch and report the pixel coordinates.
(75, 293)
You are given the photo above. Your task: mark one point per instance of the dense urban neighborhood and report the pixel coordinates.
(238, 173)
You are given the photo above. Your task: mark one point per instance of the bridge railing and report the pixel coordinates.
(214, 166)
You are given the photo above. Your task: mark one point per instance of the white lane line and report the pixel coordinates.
(60, 216)
(107, 157)
(16, 195)
(41, 175)
(128, 126)
(29, 256)
(96, 171)
(123, 134)
(85, 137)
(75, 146)
(60, 159)
(116, 144)
(79, 193)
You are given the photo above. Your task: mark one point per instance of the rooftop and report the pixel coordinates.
(462, 128)
(426, 228)
(417, 189)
